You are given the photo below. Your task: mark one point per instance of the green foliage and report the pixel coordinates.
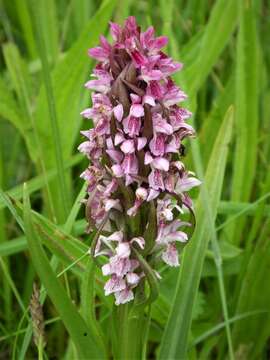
(217, 305)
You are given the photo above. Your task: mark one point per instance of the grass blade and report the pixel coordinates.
(245, 158)
(175, 338)
(81, 334)
(55, 132)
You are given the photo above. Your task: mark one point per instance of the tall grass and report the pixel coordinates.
(217, 304)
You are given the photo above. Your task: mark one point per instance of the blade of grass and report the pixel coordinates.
(12, 285)
(231, 208)
(175, 338)
(215, 37)
(83, 337)
(6, 200)
(49, 23)
(54, 263)
(255, 297)
(247, 91)
(39, 181)
(67, 84)
(7, 307)
(222, 325)
(244, 211)
(214, 239)
(55, 132)
(25, 22)
(21, 81)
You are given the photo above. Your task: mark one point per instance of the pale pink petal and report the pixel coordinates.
(123, 250)
(156, 180)
(120, 265)
(118, 139)
(116, 236)
(149, 75)
(132, 279)
(141, 142)
(115, 155)
(136, 99)
(136, 110)
(132, 126)
(177, 236)
(106, 269)
(98, 85)
(128, 147)
(153, 194)
(187, 183)
(87, 113)
(130, 164)
(132, 211)
(170, 255)
(148, 158)
(118, 112)
(161, 163)
(114, 284)
(147, 99)
(141, 193)
(124, 296)
(112, 203)
(157, 145)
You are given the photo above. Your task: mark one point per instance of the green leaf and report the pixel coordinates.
(11, 111)
(67, 78)
(175, 338)
(254, 295)
(246, 109)
(215, 37)
(81, 334)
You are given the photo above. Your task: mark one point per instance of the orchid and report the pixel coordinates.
(136, 172)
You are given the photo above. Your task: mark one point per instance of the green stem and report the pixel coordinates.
(130, 333)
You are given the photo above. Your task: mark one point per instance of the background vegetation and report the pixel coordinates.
(217, 305)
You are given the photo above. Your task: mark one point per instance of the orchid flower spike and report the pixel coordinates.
(137, 182)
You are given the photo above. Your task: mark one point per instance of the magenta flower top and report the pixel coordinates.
(134, 148)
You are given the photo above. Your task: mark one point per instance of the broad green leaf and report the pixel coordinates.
(175, 339)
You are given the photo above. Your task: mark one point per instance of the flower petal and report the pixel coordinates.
(118, 112)
(170, 255)
(136, 110)
(124, 296)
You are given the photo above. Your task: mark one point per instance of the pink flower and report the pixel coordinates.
(120, 266)
(124, 296)
(170, 255)
(133, 148)
(141, 195)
